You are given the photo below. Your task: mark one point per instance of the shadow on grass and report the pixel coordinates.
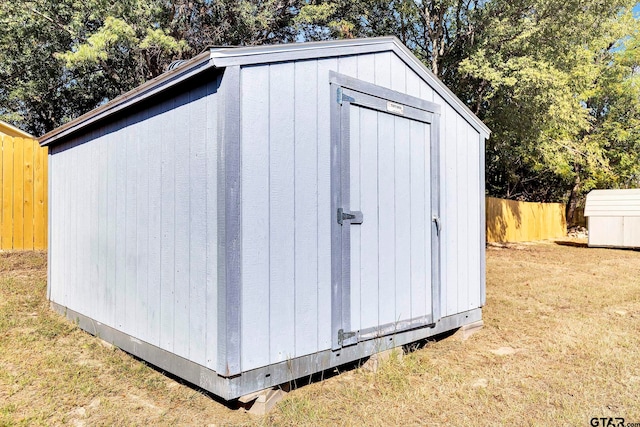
(585, 245)
(571, 243)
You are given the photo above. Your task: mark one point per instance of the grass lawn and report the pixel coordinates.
(561, 345)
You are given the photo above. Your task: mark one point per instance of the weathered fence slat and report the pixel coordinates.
(514, 221)
(40, 198)
(7, 193)
(23, 194)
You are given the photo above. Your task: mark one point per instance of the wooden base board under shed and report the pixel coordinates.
(264, 378)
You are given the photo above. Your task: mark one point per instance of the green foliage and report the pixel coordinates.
(556, 81)
(540, 68)
(59, 59)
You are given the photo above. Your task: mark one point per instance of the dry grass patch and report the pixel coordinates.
(52, 373)
(560, 346)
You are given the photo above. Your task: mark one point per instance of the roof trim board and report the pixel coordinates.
(146, 90)
(242, 56)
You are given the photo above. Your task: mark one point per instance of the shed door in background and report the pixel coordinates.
(387, 217)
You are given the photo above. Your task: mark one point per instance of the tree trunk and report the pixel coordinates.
(572, 204)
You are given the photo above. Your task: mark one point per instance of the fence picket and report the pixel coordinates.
(514, 221)
(23, 194)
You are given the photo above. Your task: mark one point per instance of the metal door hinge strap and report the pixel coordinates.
(342, 336)
(342, 97)
(354, 217)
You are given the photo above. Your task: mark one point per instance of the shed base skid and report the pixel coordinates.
(230, 388)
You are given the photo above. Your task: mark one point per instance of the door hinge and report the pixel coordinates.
(344, 336)
(342, 97)
(354, 217)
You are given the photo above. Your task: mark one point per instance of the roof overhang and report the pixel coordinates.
(239, 56)
(613, 202)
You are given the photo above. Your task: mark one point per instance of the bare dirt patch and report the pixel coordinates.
(560, 346)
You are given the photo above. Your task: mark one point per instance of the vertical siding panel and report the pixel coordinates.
(427, 216)
(399, 73)
(142, 225)
(131, 265)
(67, 243)
(306, 207)
(366, 69)
(462, 206)
(87, 243)
(81, 182)
(412, 82)
(7, 193)
(426, 92)
(443, 145)
(69, 225)
(325, 216)
(418, 164)
(94, 171)
(40, 190)
(474, 234)
(281, 214)
(168, 225)
(74, 290)
(198, 226)
(348, 65)
(63, 233)
(154, 149)
(103, 220)
(449, 202)
(28, 193)
(53, 282)
(182, 226)
(120, 228)
(57, 252)
(355, 205)
(402, 218)
(255, 216)
(386, 220)
(382, 67)
(18, 193)
(211, 149)
(112, 228)
(369, 202)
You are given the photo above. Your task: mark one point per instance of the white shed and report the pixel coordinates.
(613, 218)
(260, 214)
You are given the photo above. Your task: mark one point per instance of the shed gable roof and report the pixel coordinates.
(237, 56)
(613, 203)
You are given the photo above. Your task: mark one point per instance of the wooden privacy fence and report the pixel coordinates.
(513, 221)
(23, 194)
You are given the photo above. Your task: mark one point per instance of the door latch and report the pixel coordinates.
(354, 217)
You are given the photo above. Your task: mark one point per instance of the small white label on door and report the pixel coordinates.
(392, 107)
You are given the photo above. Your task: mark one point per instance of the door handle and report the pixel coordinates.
(436, 219)
(354, 217)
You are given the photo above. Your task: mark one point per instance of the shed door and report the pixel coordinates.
(386, 226)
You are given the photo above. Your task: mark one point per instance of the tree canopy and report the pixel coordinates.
(556, 81)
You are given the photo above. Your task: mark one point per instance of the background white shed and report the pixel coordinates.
(260, 214)
(613, 218)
